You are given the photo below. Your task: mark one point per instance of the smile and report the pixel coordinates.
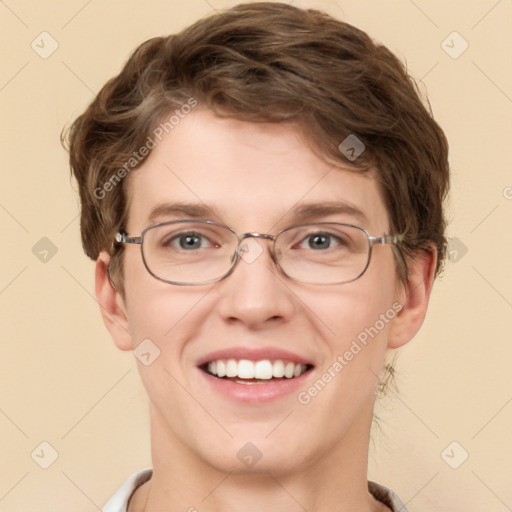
(253, 375)
(245, 371)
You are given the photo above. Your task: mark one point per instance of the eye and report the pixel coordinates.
(319, 241)
(187, 241)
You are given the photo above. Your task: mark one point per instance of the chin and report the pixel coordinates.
(253, 453)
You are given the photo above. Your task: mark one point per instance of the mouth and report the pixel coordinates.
(248, 375)
(248, 372)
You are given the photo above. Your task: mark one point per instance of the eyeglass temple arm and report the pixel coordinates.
(123, 238)
(387, 239)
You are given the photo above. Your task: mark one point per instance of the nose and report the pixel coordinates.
(255, 293)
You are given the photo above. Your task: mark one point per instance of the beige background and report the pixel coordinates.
(64, 383)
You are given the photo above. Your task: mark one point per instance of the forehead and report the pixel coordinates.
(252, 176)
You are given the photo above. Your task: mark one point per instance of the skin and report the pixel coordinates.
(251, 176)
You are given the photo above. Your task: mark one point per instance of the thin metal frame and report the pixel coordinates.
(123, 238)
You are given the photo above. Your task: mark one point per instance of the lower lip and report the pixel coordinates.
(255, 393)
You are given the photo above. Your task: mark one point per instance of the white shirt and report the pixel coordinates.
(119, 502)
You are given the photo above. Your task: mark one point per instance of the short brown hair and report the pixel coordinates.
(270, 62)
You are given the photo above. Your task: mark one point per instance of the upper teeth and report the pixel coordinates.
(265, 369)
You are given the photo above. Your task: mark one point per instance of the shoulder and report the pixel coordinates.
(119, 502)
(386, 496)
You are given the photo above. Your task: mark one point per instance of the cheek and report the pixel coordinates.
(354, 320)
(159, 311)
(351, 309)
(354, 345)
(162, 319)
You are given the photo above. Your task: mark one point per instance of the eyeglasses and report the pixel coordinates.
(195, 252)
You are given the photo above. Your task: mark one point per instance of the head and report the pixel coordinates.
(247, 113)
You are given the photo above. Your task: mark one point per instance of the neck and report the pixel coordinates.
(332, 481)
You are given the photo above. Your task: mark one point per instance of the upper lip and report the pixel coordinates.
(253, 354)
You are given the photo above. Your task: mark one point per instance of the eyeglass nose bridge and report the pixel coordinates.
(241, 238)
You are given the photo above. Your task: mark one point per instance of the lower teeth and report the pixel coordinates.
(253, 381)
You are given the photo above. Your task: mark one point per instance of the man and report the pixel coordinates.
(262, 194)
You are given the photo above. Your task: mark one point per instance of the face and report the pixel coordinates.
(257, 178)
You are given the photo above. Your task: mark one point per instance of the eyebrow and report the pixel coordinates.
(300, 213)
(189, 210)
(309, 211)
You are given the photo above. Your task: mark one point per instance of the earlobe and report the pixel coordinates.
(414, 296)
(112, 305)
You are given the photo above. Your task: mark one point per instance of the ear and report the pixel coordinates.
(112, 305)
(413, 296)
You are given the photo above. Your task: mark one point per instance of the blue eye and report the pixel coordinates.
(319, 241)
(187, 241)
